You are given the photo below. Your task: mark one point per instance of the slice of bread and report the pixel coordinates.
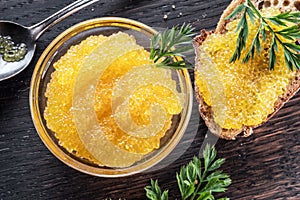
(292, 88)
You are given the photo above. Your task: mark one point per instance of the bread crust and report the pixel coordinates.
(221, 27)
(206, 111)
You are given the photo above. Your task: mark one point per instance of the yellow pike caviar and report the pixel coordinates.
(91, 98)
(113, 73)
(152, 94)
(240, 94)
(88, 129)
(140, 101)
(59, 93)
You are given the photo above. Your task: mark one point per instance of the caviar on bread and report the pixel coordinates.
(235, 97)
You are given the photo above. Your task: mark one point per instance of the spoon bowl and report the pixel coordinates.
(29, 36)
(20, 34)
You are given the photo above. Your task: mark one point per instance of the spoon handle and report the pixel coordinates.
(38, 29)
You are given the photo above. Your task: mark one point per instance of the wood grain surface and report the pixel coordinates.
(263, 166)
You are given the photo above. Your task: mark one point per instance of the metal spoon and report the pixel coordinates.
(29, 36)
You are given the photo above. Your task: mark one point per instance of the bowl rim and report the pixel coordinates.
(57, 151)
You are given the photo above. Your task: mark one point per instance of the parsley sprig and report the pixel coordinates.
(197, 180)
(291, 49)
(166, 46)
(153, 191)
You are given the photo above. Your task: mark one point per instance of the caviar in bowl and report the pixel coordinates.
(100, 106)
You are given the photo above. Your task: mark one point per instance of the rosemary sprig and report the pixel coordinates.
(166, 46)
(197, 180)
(291, 50)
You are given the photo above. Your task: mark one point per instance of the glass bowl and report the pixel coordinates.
(42, 75)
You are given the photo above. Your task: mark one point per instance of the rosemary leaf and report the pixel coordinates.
(293, 47)
(237, 11)
(272, 60)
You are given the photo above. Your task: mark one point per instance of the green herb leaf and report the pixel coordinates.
(273, 51)
(197, 180)
(217, 174)
(243, 35)
(205, 196)
(237, 11)
(289, 16)
(216, 164)
(293, 47)
(291, 50)
(173, 42)
(153, 192)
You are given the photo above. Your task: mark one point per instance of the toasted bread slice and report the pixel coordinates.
(293, 86)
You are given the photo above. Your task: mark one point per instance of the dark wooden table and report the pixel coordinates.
(263, 166)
